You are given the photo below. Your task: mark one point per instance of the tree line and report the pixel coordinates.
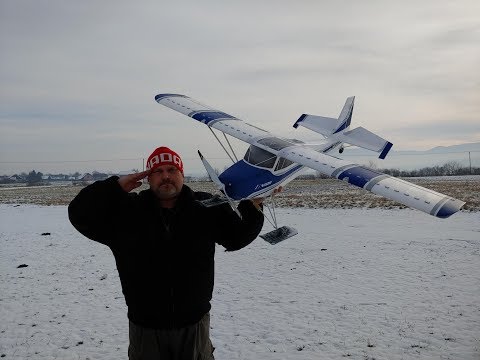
(38, 178)
(450, 168)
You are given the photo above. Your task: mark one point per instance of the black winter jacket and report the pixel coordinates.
(165, 257)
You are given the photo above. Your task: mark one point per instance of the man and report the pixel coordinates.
(163, 240)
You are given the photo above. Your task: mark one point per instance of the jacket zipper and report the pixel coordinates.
(166, 225)
(172, 292)
(173, 307)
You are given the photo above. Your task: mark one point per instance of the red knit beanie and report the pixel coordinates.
(164, 156)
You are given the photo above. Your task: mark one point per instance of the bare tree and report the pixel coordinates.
(452, 168)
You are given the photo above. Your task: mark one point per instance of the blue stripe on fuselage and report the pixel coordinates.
(242, 179)
(358, 175)
(207, 116)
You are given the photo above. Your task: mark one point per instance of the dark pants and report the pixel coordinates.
(188, 343)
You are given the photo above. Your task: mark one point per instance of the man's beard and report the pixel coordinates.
(166, 192)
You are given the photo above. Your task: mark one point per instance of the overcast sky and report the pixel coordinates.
(78, 78)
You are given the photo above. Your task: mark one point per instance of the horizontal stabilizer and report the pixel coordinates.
(278, 235)
(319, 124)
(366, 139)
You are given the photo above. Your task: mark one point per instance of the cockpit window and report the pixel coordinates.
(283, 163)
(259, 157)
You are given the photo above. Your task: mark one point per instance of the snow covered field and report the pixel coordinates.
(355, 284)
(317, 193)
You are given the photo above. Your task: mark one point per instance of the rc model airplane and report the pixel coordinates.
(272, 161)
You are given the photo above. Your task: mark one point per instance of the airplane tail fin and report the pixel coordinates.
(326, 125)
(345, 117)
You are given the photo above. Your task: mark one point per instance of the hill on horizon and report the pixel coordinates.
(460, 147)
(467, 154)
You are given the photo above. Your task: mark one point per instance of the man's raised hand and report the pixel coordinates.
(132, 181)
(258, 201)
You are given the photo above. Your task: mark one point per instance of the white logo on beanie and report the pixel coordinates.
(164, 159)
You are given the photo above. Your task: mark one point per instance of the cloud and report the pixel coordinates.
(88, 71)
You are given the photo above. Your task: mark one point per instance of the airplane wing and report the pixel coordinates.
(213, 118)
(392, 188)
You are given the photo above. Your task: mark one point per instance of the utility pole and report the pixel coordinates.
(470, 161)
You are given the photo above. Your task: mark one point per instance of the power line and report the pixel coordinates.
(220, 158)
(65, 161)
(87, 161)
(418, 154)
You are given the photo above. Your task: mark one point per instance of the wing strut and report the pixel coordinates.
(221, 144)
(272, 212)
(272, 222)
(231, 148)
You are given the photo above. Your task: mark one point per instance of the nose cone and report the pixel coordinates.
(241, 179)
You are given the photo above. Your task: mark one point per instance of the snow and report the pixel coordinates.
(354, 283)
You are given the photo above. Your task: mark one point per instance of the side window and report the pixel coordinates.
(283, 163)
(259, 157)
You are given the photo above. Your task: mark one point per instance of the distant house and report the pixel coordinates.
(17, 178)
(57, 177)
(124, 172)
(5, 179)
(99, 176)
(85, 179)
